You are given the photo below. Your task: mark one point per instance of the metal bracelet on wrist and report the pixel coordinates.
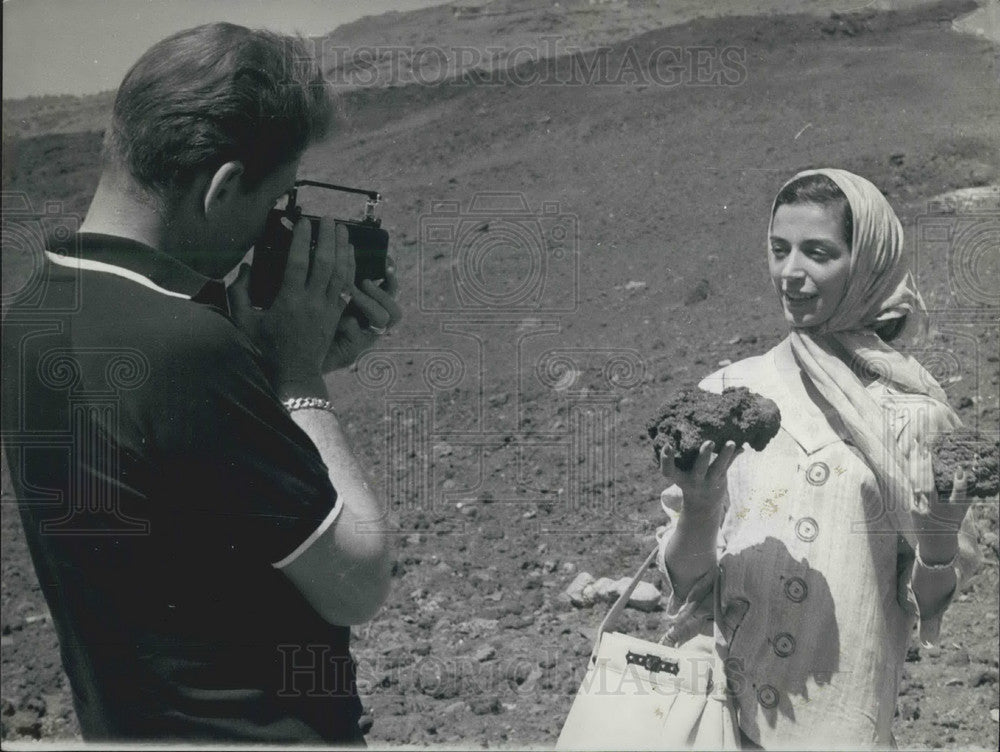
(309, 403)
(937, 567)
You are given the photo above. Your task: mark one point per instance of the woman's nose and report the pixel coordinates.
(792, 268)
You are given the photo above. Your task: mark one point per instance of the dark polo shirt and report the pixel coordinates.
(161, 484)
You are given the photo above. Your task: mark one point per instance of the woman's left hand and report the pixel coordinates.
(930, 512)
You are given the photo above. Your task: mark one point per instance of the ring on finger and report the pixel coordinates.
(378, 331)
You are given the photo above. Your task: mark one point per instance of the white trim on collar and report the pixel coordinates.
(100, 266)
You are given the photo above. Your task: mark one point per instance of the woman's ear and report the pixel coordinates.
(222, 187)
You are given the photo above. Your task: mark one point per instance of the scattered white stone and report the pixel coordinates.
(995, 715)
(602, 588)
(486, 653)
(609, 590)
(634, 285)
(725, 362)
(579, 592)
(645, 598)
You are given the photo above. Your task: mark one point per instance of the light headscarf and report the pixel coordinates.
(879, 288)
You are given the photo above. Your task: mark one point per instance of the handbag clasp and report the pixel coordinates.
(652, 663)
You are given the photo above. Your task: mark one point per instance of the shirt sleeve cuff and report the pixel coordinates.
(313, 537)
(929, 620)
(692, 616)
(967, 562)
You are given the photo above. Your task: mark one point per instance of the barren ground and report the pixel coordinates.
(508, 435)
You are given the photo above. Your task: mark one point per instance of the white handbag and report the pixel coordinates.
(643, 695)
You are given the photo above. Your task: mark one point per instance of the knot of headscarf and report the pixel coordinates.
(842, 351)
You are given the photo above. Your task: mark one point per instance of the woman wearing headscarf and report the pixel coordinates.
(819, 554)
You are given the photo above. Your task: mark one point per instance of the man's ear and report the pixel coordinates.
(222, 186)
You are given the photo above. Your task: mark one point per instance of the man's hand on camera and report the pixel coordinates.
(296, 332)
(378, 304)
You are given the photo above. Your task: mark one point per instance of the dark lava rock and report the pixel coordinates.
(978, 455)
(692, 416)
(980, 677)
(907, 709)
(36, 705)
(486, 705)
(512, 621)
(697, 293)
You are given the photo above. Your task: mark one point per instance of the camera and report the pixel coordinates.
(270, 253)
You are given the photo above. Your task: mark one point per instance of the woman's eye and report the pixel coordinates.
(777, 250)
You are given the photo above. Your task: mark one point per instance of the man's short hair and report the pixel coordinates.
(214, 94)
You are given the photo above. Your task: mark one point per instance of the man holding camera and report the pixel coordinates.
(194, 512)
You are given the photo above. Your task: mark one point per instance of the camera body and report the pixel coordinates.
(270, 254)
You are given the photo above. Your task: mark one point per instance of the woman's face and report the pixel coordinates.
(809, 261)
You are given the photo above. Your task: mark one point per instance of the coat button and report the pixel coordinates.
(796, 589)
(767, 696)
(807, 529)
(784, 645)
(817, 473)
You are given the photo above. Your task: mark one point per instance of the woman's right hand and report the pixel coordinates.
(704, 485)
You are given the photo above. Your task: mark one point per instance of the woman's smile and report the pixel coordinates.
(798, 297)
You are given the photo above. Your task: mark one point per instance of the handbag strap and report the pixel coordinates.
(721, 648)
(616, 610)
